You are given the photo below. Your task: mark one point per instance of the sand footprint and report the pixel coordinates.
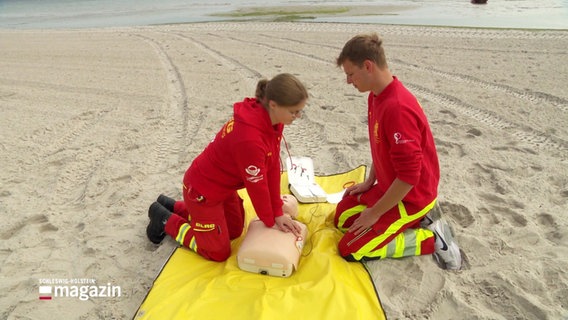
(508, 297)
(553, 232)
(500, 208)
(516, 219)
(37, 219)
(449, 148)
(459, 213)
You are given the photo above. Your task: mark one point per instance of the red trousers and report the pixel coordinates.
(206, 227)
(396, 234)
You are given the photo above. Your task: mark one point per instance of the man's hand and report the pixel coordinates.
(286, 224)
(359, 188)
(366, 220)
(368, 217)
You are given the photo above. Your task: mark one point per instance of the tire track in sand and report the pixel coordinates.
(527, 95)
(305, 131)
(74, 179)
(173, 124)
(250, 75)
(525, 134)
(71, 160)
(383, 29)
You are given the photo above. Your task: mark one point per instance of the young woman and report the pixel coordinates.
(245, 153)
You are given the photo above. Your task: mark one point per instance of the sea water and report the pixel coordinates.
(26, 14)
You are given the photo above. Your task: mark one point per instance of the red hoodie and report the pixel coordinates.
(245, 153)
(402, 145)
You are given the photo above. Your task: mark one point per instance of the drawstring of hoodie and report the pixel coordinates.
(282, 165)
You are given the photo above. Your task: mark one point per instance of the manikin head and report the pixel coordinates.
(290, 205)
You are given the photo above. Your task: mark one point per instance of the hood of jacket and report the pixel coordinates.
(250, 112)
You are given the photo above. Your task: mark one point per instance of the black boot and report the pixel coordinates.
(159, 215)
(166, 202)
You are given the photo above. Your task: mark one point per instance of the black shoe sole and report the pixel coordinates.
(151, 234)
(155, 229)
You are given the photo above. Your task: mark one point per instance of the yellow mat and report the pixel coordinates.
(324, 287)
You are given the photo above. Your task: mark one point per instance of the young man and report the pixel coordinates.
(381, 217)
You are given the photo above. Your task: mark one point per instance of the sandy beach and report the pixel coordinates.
(96, 123)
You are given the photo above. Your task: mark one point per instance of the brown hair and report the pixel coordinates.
(363, 47)
(284, 89)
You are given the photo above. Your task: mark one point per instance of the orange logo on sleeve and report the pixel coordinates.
(376, 135)
(228, 128)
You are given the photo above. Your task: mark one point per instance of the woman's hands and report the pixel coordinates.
(286, 224)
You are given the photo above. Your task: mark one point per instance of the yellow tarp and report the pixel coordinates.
(324, 287)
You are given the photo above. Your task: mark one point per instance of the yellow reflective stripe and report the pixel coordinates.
(367, 249)
(406, 244)
(193, 244)
(419, 214)
(406, 219)
(348, 214)
(183, 229)
(421, 235)
(379, 253)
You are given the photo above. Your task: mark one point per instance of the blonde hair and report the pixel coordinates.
(284, 89)
(363, 47)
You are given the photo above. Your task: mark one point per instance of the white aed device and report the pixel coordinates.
(302, 182)
(270, 251)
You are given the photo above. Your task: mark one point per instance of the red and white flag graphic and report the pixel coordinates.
(44, 292)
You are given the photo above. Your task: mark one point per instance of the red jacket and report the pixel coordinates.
(402, 145)
(245, 153)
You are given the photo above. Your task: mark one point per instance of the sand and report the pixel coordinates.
(96, 123)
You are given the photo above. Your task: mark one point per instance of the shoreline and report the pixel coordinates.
(354, 14)
(238, 21)
(300, 12)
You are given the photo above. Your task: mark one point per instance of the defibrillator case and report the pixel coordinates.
(270, 251)
(301, 180)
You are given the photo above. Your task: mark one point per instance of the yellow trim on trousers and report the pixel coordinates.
(183, 229)
(407, 243)
(348, 214)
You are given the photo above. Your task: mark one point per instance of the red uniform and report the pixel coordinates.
(245, 153)
(402, 146)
